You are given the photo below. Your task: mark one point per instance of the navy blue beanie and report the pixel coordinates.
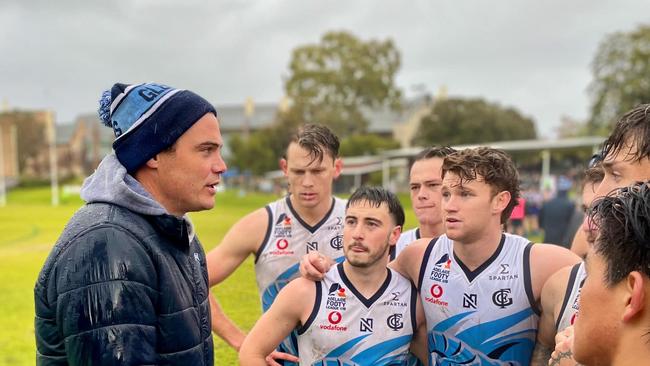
(148, 118)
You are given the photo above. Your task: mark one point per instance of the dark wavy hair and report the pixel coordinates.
(623, 221)
(376, 196)
(493, 166)
(633, 129)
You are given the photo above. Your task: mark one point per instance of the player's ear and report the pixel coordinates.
(501, 201)
(153, 162)
(283, 166)
(394, 235)
(634, 292)
(338, 167)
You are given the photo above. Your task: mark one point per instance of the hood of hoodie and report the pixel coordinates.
(110, 183)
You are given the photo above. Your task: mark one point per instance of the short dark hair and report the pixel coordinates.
(318, 140)
(376, 196)
(493, 165)
(623, 221)
(634, 126)
(434, 152)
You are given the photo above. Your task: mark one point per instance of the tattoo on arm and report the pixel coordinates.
(541, 355)
(568, 355)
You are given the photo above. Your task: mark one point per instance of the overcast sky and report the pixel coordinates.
(532, 55)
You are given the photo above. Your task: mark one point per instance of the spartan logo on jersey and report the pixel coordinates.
(440, 271)
(336, 299)
(280, 248)
(334, 318)
(282, 227)
(503, 273)
(502, 298)
(576, 302)
(337, 242)
(394, 300)
(337, 226)
(436, 292)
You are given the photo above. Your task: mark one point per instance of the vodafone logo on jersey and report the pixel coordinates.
(334, 318)
(281, 246)
(436, 292)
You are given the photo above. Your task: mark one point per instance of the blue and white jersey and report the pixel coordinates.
(287, 239)
(404, 240)
(569, 310)
(483, 317)
(345, 328)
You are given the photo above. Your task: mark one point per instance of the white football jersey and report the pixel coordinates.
(569, 310)
(287, 239)
(345, 328)
(483, 317)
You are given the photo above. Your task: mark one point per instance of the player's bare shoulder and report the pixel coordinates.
(408, 262)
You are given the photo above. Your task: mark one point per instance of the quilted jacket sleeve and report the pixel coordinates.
(97, 304)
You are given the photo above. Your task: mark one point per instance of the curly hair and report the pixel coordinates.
(492, 166)
(376, 196)
(623, 221)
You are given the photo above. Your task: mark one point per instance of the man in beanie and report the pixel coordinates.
(126, 283)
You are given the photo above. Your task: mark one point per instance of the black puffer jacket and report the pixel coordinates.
(123, 288)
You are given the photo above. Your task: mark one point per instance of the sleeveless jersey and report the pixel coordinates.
(569, 310)
(483, 317)
(404, 240)
(287, 239)
(346, 329)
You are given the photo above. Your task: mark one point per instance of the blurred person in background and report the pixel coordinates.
(555, 215)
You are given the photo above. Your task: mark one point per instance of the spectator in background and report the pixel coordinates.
(517, 218)
(555, 215)
(534, 201)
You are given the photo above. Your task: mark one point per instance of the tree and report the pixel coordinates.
(457, 121)
(620, 68)
(356, 145)
(332, 81)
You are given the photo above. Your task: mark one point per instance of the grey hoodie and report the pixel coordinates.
(110, 183)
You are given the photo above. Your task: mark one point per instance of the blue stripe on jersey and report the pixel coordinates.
(340, 350)
(475, 343)
(374, 354)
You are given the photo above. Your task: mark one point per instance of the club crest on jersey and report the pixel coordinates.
(336, 298)
(503, 273)
(282, 227)
(436, 291)
(440, 270)
(281, 246)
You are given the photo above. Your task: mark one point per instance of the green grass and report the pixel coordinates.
(30, 226)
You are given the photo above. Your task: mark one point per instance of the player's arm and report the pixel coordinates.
(551, 301)
(419, 343)
(284, 315)
(242, 240)
(408, 262)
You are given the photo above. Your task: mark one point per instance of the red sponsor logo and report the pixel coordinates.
(573, 318)
(436, 291)
(334, 317)
(282, 244)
